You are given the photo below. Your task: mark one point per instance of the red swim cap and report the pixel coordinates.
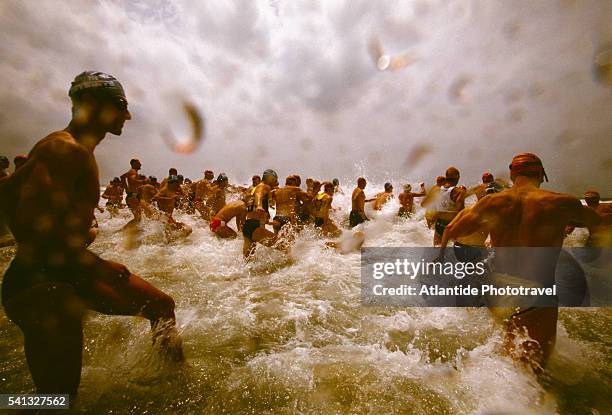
(487, 177)
(526, 163)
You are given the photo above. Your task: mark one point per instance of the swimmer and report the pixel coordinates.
(322, 204)
(146, 193)
(337, 188)
(172, 171)
(201, 194)
(451, 200)
(431, 201)
(166, 199)
(406, 200)
(488, 185)
(287, 199)
(49, 203)
(258, 215)
(383, 198)
(131, 182)
(600, 235)
(4, 165)
(219, 222)
(358, 201)
(525, 216)
(215, 197)
(113, 195)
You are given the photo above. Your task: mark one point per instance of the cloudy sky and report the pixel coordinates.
(292, 85)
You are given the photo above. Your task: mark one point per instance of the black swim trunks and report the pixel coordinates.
(249, 227)
(131, 195)
(441, 225)
(355, 218)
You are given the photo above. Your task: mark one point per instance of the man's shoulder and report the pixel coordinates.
(60, 145)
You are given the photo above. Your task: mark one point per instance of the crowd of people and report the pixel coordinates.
(49, 202)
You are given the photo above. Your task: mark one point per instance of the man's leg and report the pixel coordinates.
(116, 291)
(50, 317)
(226, 232)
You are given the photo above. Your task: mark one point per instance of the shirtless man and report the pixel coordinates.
(406, 199)
(167, 199)
(322, 204)
(146, 194)
(358, 201)
(525, 216)
(131, 182)
(218, 224)
(113, 195)
(4, 165)
(215, 198)
(383, 198)
(600, 236)
(451, 200)
(431, 200)
(201, 194)
(488, 185)
(337, 188)
(254, 230)
(171, 172)
(315, 189)
(53, 279)
(287, 199)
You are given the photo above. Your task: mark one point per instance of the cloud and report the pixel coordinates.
(291, 85)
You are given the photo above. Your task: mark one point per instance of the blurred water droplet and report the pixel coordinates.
(602, 66)
(456, 91)
(416, 154)
(197, 131)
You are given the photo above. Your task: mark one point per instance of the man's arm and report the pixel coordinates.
(582, 216)
(467, 222)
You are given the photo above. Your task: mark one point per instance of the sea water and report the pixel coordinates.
(288, 334)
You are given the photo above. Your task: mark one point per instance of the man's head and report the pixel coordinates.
(209, 175)
(4, 162)
(527, 165)
(290, 180)
(172, 172)
(99, 102)
(222, 180)
(135, 164)
(592, 198)
(270, 177)
(407, 187)
(440, 180)
(336, 182)
(181, 178)
(452, 176)
(388, 187)
(255, 180)
(298, 180)
(309, 181)
(20, 160)
(328, 188)
(487, 177)
(361, 183)
(153, 179)
(316, 186)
